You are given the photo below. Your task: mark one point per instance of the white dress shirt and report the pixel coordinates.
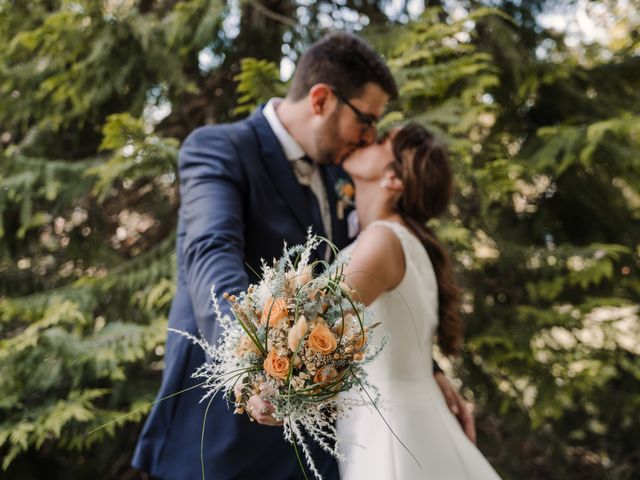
(294, 153)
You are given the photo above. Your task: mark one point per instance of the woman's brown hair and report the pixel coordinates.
(423, 166)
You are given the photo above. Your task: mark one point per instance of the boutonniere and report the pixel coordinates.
(346, 194)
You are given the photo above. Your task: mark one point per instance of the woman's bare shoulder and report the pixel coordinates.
(376, 262)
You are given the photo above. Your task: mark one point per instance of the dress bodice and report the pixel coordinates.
(417, 437)
(408, 315)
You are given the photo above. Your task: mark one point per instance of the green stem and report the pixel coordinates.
(150, 404)
(204, 424)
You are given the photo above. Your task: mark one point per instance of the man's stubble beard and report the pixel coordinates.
(329, 142)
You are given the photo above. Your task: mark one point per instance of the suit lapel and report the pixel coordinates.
(331, 175)
(281, 173)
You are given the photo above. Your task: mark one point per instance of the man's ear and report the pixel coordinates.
(321, 98)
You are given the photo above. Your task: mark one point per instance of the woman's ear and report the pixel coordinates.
(392, 181)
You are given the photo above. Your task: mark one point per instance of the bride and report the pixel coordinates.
(401, 271)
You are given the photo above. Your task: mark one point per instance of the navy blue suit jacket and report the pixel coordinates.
(239, 202)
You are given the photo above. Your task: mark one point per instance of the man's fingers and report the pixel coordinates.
(449, 394)
(460, 406)
(460, 409)
(472, 424)
(453, 405)
(470, 428)
(465, 417)
(471, 432)
(261, 411)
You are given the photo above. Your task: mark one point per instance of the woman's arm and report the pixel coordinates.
(376, 265)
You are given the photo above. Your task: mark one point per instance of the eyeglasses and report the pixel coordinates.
(366, 119)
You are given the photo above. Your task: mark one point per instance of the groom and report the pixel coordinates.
(245, 188)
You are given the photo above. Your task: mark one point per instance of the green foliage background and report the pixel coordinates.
(95, 98)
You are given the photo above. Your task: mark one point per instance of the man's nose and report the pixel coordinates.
(368, 136)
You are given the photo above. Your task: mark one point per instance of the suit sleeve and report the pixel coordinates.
(211, 195)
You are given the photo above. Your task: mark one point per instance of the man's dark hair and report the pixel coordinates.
(343, 61)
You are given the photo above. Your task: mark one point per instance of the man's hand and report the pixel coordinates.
(261, 411)
(457, 405)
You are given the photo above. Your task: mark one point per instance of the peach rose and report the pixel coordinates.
(275, 310)
(321, 339)
(348, 190)
(325, 374)
(276, 366)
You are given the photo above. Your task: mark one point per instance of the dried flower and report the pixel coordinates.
(296, 333)
(245, 345)
(299, 277)
(325, 374)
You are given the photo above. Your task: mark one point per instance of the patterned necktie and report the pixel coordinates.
(308, 174)
(303, 168)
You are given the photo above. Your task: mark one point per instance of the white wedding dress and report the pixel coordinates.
(410, 399)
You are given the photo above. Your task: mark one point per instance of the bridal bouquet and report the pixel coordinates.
(299, 337)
